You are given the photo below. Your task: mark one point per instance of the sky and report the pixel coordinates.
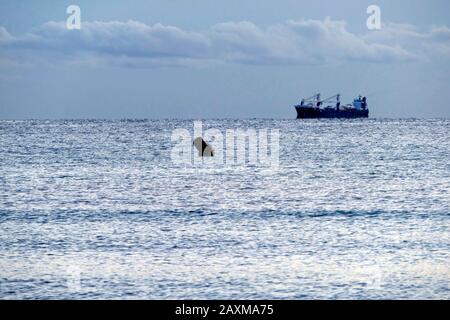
(221, 59)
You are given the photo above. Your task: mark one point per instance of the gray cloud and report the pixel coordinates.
(135, 44)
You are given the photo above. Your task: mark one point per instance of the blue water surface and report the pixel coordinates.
(357, 209)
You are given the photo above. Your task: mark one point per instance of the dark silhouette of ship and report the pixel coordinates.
(313, 107)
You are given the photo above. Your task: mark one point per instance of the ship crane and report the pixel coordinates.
(313, 100)
(336, 96)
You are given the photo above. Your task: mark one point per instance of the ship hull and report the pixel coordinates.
(317, 113)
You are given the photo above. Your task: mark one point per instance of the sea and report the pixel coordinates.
(102, 209)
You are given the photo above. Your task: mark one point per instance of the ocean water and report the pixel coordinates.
(357, 209)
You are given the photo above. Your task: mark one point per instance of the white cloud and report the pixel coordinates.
(428, 45)
(135, 44)
(4, 35)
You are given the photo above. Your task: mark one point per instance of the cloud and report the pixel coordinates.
(4, 35)
(135, 44)
(125, 43)
(431, 44)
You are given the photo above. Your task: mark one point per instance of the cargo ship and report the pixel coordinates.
(314, 107)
